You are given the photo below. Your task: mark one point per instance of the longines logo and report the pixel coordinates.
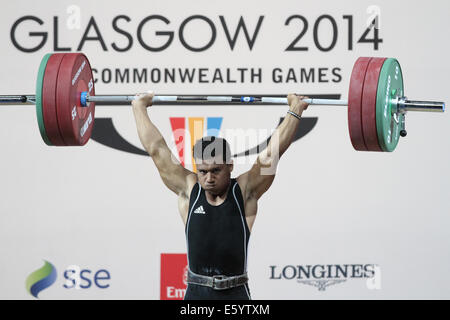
(324, 276)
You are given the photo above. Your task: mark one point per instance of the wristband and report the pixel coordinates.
(294, 114)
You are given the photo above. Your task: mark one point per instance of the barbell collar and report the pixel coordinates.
(404, 105)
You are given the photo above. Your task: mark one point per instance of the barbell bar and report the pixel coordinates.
(111, 100)
(65, 101)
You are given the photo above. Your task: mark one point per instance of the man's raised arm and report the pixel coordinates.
(258, 179)
(174, 175)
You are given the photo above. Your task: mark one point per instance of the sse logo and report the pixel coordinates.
(41, 279)
(75, 276)
(84, 278)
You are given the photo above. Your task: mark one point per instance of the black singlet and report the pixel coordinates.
(217, 240)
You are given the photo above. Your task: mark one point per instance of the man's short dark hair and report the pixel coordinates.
(211, 147)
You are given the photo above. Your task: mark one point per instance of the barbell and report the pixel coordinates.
(65, 101)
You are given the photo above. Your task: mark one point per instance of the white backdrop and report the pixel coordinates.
(101, 208)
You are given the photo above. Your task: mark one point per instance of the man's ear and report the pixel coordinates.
(231, 165)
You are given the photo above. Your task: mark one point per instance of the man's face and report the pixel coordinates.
(214, 177)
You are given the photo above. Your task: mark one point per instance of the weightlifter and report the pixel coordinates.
(218, 211)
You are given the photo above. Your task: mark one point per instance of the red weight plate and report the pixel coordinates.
(75, 122)
(369, 101)
(49, 99)
(354, 103)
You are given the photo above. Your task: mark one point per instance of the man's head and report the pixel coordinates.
(212, 157)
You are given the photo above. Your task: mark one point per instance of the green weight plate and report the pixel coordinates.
(39, 109)
(390, 86)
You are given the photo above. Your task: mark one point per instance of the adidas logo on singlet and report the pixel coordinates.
(199, 210)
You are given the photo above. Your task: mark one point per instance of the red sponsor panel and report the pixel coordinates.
(173, 276)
